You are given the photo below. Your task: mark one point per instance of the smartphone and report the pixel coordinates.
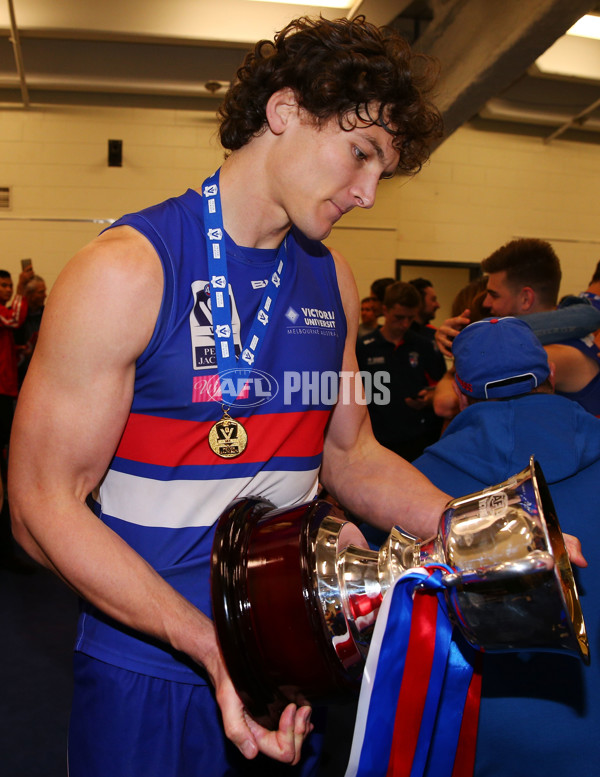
(25, 263)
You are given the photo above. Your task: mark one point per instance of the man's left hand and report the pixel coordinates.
(574, 550)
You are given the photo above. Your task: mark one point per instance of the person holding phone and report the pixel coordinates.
(406, 365)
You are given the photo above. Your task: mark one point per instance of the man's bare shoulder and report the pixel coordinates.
(113, 284)
(573, 370)
(124, 251)
(342, 267)
(348, 291)
(566, 354)
(118, 264)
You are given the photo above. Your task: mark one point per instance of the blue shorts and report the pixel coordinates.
(125, 724)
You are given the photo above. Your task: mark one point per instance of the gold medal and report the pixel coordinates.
(227, 438)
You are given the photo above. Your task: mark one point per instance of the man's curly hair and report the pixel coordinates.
(351, 70)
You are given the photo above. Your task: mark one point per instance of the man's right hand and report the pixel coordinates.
(445, 334)
(24, 277)
(284, 744)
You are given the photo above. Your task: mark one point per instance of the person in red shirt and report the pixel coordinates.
(10, 319)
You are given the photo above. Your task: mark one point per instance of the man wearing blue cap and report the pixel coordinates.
(540, 712)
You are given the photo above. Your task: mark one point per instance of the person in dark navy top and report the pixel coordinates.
(409, 367)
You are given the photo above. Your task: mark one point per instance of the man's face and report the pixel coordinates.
(37, 297)
(6, 289)
(398, 320)
(324, 172)
(501, 299)
(430, 305)
(368, 313)
(378, 307)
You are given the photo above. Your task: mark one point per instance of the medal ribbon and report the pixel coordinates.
(219, 292)
(419, 700)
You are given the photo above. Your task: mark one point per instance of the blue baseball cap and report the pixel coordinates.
(496, 358)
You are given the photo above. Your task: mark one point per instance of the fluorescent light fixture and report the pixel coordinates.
(317, 3)
(587, 27)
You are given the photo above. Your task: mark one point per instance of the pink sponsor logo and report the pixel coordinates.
(207, 388)
(249, 387)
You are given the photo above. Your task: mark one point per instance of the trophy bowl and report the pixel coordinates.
(277, 607)
(296, 591)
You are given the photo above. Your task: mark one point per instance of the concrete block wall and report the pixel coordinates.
(478, 191)
(55, 161)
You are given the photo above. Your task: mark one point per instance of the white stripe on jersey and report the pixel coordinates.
(183, 503)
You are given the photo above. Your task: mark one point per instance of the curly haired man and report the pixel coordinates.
(127, 449)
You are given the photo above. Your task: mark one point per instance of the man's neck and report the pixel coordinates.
(538, 307)
(252, 217)
(390, 336)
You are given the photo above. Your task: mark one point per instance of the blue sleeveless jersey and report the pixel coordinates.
(589, 396)
(593, 299)
(165, 487)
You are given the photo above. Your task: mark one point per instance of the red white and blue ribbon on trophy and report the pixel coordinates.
(419, 701)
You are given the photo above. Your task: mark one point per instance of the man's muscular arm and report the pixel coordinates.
(72, 410)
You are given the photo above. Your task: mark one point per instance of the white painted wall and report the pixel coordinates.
(55, 161)
(478, 191)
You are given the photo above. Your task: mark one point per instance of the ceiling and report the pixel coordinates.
(502, 62)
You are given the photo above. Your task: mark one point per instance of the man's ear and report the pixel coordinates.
(527, 295)
(282, 105)
(462, 399)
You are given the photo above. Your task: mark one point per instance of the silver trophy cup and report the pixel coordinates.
(296, 591)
